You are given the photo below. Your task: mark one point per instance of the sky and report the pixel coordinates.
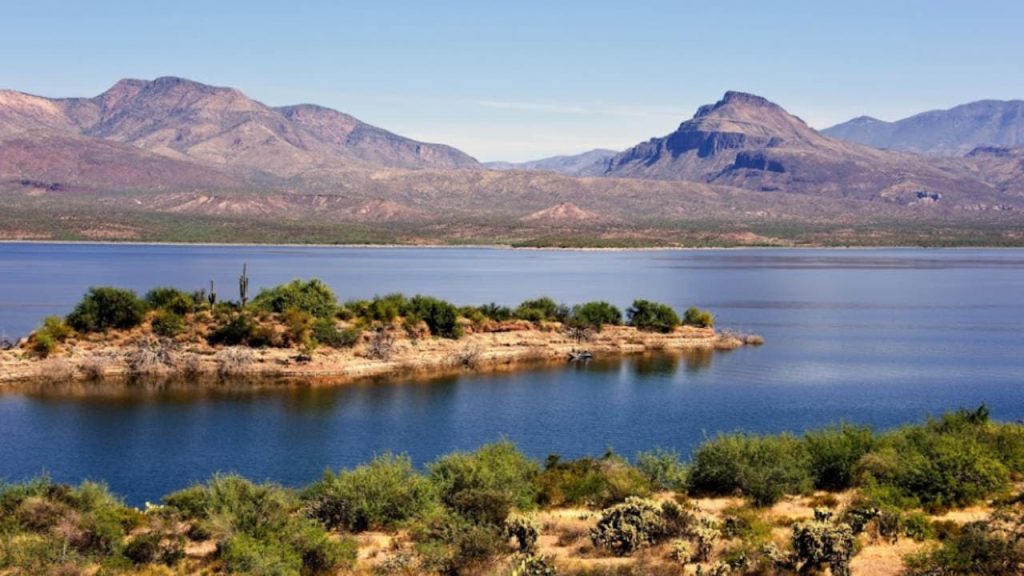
(528, 79)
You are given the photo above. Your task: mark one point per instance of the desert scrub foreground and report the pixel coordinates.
(301, 329)
(939, 498)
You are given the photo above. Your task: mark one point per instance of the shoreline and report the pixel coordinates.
(514, 347)
(508, 247)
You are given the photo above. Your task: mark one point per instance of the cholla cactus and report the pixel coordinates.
(243, 286)
(818, 543)
(682, 552)
(524, 530)
(706, 535)
(822, 515)
(627, 527)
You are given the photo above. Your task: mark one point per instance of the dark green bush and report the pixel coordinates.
(240, 329)
(243, 554)
(168, 324)
(171, 299)
(103, 308)
(541, 310)
(498, 467)
(696, 317)
(496, 312)
(595, 315)
(834, 453)
(156, 546)
(312, 297)
(762, 468)
(380, 308)
(441, 316)
(377, 495)
(326, 332)
(652, 316)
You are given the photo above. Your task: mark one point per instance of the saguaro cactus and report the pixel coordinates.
(212, 296)
(243, 286)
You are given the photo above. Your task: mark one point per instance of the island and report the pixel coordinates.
(301, 332)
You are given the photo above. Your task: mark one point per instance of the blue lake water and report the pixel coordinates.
(881, 337)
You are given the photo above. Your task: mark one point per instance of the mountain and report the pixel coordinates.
(590, 163)
(746, 141)
(953, 132)
(222, 127)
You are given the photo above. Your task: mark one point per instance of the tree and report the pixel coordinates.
(652, 316)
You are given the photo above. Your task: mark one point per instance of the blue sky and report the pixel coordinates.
(526, 79)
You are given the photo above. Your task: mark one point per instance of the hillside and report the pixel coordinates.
(221, 127)
(952, 132)
(589, 163)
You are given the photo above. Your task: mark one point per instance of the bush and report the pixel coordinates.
(762, 468)
(240, 329)
(318, 552)
(696, 317)
(663, 469)
(235, 505)
(42, 343)
(171, 300)
(496, 312)
(498, 467)
(377, 495)
(595, 315)
(326, 332)
(541, 310)
(103, 308)
(946, 463)
(441, 316)
(977, 549)
(627, 527)
(312, 297)
(381, 308)
(244, 554)
(651, 316)
(168, 324)
(157, 546)
(834, 454)
(590, 482)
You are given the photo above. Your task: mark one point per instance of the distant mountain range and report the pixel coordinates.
(589, 163)
(173, 159)
(953, 132)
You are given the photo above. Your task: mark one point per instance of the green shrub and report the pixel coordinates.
(834, 453)
(498, 467)
(235, 505)
(42, 344)
(945, 463)
(441, 316)
(171, 300)
(193, 502)
(239, 330)
(243, 554)
(627, 527)
(976, 549)
(381, 308)
(157, 546)
(651, 316)
(318, 552)
(696, 317)
(376, 495)
(168, 324)
(762, 468)
(312, 297)
(541, 310)
(663, 469)
(590, 482)
(103, 308)
(595, 315)
(326, 332)
(496, 312)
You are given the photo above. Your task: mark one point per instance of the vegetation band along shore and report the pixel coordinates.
(744, 504)
(114, 331)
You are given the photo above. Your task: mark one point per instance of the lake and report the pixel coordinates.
(880, 337)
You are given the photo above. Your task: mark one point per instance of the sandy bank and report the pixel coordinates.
(140, 354)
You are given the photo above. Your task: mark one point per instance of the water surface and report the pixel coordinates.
(873, 336)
